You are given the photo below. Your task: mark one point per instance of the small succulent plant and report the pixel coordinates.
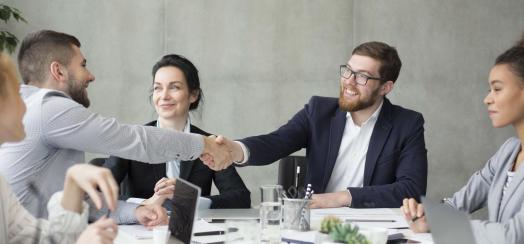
(339, 232)
(346, 233)
(328, 224)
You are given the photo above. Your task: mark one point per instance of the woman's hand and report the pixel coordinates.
(103, 231)
(165, 187)
(86, 178)
(414, 214)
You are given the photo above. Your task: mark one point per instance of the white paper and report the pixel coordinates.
(140, 232)
(203, 202)
(136, 231)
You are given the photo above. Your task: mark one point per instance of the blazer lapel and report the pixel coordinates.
(378, 139)
(513, 185)
(336, 131)
(185, 169)
(497, 199)
(160, 170)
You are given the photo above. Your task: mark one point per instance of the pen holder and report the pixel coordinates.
(296, 214)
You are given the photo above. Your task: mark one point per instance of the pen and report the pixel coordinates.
(296, 176)
(416, 218)
(108, 213)
(210, 233)
(370, 220)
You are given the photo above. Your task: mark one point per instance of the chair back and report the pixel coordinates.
(292, 171)
(98, 161)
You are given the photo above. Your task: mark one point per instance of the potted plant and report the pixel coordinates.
(8, 41)
(332, 230)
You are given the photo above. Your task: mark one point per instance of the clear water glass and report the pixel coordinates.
(270, 213)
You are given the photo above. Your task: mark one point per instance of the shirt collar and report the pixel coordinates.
(371, 118)
(187, 128)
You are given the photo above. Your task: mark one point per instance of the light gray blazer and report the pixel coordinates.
(506, 215)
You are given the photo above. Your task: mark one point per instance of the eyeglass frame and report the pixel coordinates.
(355, 73)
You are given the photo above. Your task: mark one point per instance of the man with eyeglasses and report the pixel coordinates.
(362, 151)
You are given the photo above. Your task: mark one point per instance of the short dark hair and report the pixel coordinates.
(521, 41)
(387, 55)
(189, 70)
(39, 49)
(514, 57)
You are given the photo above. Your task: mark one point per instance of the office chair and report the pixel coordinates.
(289, 176)
(124, 185)
(98, 161)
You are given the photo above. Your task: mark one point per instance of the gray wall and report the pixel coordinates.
(260, 61)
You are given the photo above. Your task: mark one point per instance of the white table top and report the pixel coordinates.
(316, 215)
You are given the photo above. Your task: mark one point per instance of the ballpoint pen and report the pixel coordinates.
(296, 176)
(417, 218)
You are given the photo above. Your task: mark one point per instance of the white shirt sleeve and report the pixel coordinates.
(63, 226)
(245, 151)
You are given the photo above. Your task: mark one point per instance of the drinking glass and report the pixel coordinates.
(270, 213)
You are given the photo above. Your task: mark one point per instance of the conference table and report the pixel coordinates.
(390, 218)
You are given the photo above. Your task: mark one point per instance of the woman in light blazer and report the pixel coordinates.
(500, 184)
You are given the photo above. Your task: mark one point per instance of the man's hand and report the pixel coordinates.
(103, 231)
(86, 178)
(414, 215)
(216, 156)
(330, 200)
(151, 215)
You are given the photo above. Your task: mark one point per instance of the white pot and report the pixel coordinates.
(321, 238)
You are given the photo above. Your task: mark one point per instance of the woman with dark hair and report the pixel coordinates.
(500, 184)
(176, 91)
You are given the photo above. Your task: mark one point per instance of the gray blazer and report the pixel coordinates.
(506, 215)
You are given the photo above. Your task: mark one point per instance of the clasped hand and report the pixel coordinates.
(218, 152)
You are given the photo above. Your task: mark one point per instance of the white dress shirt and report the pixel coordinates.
(173, 166)
(351, 159)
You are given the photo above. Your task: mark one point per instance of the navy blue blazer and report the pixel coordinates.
(396, 160)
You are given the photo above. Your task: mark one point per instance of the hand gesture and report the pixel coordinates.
(216, 156)
(86, 178)
(414, 215)
(151, 215)
(164, 189)
(103, 231)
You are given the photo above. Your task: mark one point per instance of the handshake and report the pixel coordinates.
(220, 152)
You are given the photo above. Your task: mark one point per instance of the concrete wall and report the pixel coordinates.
(260, 61)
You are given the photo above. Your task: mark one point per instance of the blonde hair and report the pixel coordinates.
(7, 73)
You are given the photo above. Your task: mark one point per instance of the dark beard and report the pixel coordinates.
(358, 105)
(78, 93)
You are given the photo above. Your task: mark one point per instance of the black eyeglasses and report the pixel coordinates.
(360, 78)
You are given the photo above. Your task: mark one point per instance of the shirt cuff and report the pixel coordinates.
(350, 199)
(245, 151)
(70, 222)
